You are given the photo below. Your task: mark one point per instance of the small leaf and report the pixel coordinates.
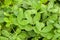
(23, 35)
(39, 25)
(37, 17)
(35, 38)
(47, 35)
(18, 38)
(28, 14)
(43, 1)
(57, 25)
(6, 2)
(45, 39)
(3, 38)
(18, 30)
(28, 28)
(5, 33)
(47, 29)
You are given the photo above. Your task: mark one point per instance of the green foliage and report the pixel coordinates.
(29, 19)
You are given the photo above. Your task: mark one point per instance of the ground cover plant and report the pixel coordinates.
(29, 19)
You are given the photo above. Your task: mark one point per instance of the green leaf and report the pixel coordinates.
(20, 15)
(36, 30)
(52, 19)
(3, 38)
(56, 36)
(20, 18)
(35, 38)
(28, 28)
(1, 16)
(50, 4)
(47, 28)
(18, 1)
(31, 33)
(57, 25)
(34, 4)
(28, 14)
(23, 35)
(43, 1)
(18, 38)
(47, 35)
(1, 19)
(58, 30)
(24, 22)
(39, 25)
(45, 39)
(59, 20)
(37, 17)
(6, 33)
(18, 30)
(6, 2)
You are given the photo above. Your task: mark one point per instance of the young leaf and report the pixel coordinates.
(47, 28)
(39, 25)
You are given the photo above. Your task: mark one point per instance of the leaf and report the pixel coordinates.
(45, 39)
(50, 4)
(58, 30)
(20, 15)
(15, 9)
(56, 36)
(37, 17)
(47, 28)
(39, 25)
(18, 1)
(57, 25)
(24, 22)
(28, 14)
(34, 3)
(23, 35)
(59, 20)
(20, 18)
(35, 38)
(28, 28)
(43, 8)
(47, 35)
(0, 27)
(36, 30)
(3, 38)
(43, 1)
(31, 33)
(5, 33)
(18, 38)
(6, 2)
(13, 20)
(1, 16)
(18, 30)
(52, 19)
(55, 9)
(1, 19)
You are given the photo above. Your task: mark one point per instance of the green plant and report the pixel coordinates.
(29, 20)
